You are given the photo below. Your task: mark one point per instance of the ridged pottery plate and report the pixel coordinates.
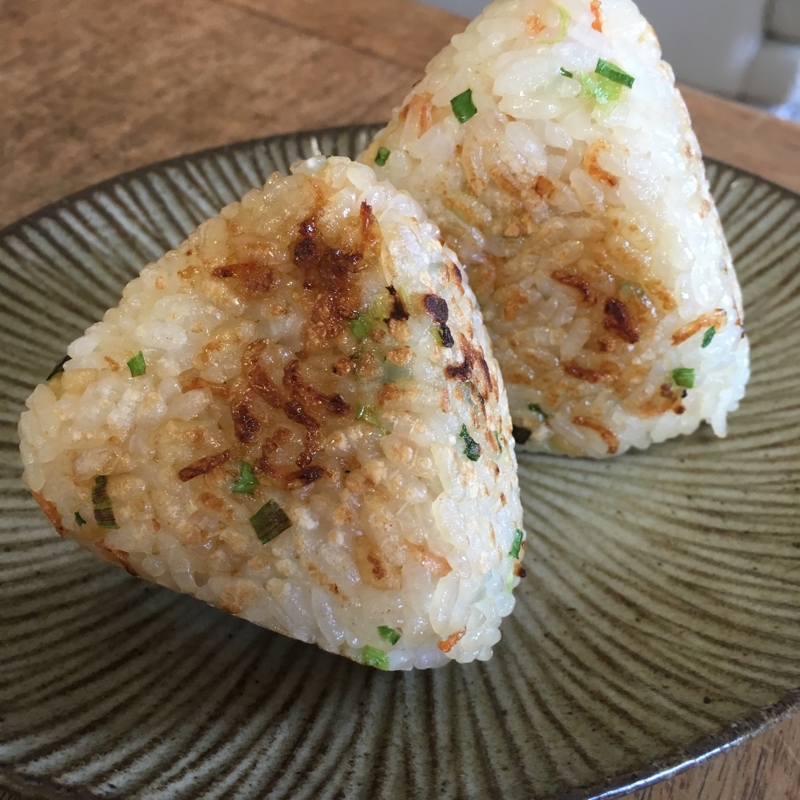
(658, 623)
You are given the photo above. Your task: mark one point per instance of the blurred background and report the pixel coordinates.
(746, 50)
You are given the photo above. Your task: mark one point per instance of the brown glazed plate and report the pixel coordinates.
(658, 623)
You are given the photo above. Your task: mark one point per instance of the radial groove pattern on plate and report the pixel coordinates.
(658, 621)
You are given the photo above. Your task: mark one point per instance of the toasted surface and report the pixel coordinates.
(315, 436)
(579, 204)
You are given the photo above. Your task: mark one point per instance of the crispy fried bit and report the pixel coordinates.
(51, 512)
(576, 282)
(398, 311)
(451, 641)
(437, 307)
(252, 277)
(305, 253)
(607, 435)
(619, 321)
(437, 565)
(331, 296)
(399, 356)
(189, 383)
(534, 24)
(544, 187)
(204, 465)
(582, 373)
(245, 425)
(118, 557)
(714, 319)
(597, 24)
(336, 404)
(592, 166)
(474, 369)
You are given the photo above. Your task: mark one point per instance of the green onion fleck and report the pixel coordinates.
(383, 155)
(375, 657)
(497, 439)
(537, 409)
(246, 482)
(564, 18)
(708, 336)
(566, 73)
(472, 450)
(103, 512)
(370, 415)
(683, 377)
(463, 107)
(59, 367)
(136, 365)
(269, 521)
(600, 89)
(627, 289)
(79, 520)
(613, 73)
(360, 327)
(515, 548)
(389, 634)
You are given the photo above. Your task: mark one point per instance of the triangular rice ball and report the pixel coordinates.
(549, 143)
(296, 416)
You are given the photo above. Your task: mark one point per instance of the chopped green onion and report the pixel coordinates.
(103, 512)
(375, 657)
(463, 107)
(79, 520)
(383, 155)
(472, 450)
(629, 288)
(360, 327)
(389, 634)
(497, 439)
(683, 377)
(59, 367)
(246, 482)
(136, 365)
(269, 521)
(708, 336)
(566, 73)
(537, 409)
(517, 546)
(613, 73)
(370, 415)
(564, 19)
(602, 90)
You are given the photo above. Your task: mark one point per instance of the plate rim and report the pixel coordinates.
(651, 772)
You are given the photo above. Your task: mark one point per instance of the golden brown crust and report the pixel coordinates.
(51, 512)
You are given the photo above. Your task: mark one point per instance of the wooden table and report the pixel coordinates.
(90, 89)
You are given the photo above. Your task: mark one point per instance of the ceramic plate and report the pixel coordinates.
(657, 624)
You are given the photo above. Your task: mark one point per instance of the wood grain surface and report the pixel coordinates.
(91, 89)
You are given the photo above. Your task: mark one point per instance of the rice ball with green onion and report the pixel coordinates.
(296, 417)
(551, 146)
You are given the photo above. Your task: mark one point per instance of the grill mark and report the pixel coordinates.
(606, 434)
(204, 465)
(715, 319)
(245, 425)
(446, 335)
(582, 373)
(437, 307)
(336, 404)
(575, 282)
(398, 311)
(619, 321)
